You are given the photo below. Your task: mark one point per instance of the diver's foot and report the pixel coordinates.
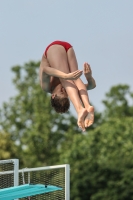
(81, 117)
(89, 120)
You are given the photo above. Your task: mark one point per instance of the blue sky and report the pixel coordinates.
(101, 33)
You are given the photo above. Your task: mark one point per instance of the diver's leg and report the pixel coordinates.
(57, 58)
(73, 65)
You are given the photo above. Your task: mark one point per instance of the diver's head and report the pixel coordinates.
(59, 99)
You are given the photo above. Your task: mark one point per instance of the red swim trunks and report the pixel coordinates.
(66, 45)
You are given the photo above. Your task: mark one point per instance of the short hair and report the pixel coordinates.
(61, 105)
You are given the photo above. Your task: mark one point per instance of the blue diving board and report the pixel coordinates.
(26, 190)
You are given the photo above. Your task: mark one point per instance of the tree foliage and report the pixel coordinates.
(101, 162)
(7, 147)
(119, 102)
(100, 159)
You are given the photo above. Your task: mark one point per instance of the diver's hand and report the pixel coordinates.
(74, 75)
(87, 71)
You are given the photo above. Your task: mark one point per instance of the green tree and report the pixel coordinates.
(101, 159)
(7, 147)
(119, 102)
(101, 162)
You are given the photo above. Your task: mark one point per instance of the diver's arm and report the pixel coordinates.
(91, 83)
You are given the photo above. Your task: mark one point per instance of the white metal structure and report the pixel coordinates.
(9, 175)
(19, 175)
(12, 167)
(66, 167)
